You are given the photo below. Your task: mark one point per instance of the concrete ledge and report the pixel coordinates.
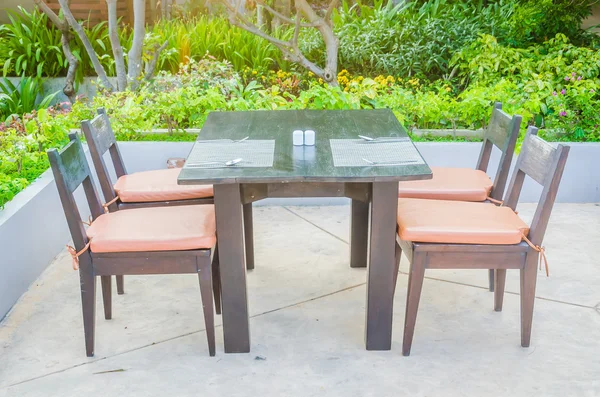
(33, 229)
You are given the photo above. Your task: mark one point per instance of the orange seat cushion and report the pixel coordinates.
(458, 222)
(461, 184)
(158, 185)
(154, 229)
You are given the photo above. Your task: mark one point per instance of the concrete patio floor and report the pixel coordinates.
(307, 325)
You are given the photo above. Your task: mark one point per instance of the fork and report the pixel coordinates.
(389, 162)
(381, 139)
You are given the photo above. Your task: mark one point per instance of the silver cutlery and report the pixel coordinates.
(381, 139)
(225, 163)
(389, 162)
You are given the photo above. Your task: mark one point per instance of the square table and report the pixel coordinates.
(306, 171)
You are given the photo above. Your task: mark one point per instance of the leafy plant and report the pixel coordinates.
(32, 48)
(411, 38)
(21, 99)
(31, 45)
(535, 21)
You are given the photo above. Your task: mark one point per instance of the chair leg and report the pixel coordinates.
(87, 281)
(415, 284)
(120, 285)
(528, 281)
(491, 282)
(216, 280)
(499, 283)
(248, 235)
(205, 280)
(107, 296)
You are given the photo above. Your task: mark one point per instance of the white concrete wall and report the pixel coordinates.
(33, 229)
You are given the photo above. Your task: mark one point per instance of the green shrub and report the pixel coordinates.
(411, 38)
(23, 98)
(31, 45)
(536, 21)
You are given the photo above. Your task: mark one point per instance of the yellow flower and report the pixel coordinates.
(254, 72)
(448, 89)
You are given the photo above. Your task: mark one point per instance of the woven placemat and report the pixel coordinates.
(215, 153)
(379, 153)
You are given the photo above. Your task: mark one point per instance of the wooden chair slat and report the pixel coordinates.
(72, 165)
(536, 158)
(499, 129)
(102, 133)
(100, 138)
(502, 132)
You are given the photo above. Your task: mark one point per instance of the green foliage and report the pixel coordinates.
(21, 99)
(32, 49)
(554, 84)
(195, 38)
(410, 38)
(536, 21)
(31, 45)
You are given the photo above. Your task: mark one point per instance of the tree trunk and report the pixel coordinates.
(115, 43)
(69, 88)
(64, 5)
(329, 73)
(150, 67)
(135, 54)
(259, 15)
(65, 40)
(290, 48)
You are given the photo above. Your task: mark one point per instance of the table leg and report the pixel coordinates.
(380, 274)
(234, 300)
(249, 235)
(359, 233)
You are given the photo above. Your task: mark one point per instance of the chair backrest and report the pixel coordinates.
(545, 164)
(100, 139)
(502, 132)
(71, 170)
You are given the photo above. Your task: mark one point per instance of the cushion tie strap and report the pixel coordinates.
(105, 205)
(497, 202)
(542, 252)
(75, 255)
(89, 221)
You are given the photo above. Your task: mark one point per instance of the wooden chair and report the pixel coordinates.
(157, 188)
(441, 234)
(165, 240)
(466, 184)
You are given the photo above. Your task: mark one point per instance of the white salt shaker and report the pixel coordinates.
(298, 138)
(309, 138)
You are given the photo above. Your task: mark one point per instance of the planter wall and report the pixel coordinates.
(33, 229)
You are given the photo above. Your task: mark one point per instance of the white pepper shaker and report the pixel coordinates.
(298, 138)
(309, 138)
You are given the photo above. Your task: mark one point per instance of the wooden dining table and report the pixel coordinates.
(340, 164)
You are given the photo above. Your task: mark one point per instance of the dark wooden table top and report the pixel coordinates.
(301, 163)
